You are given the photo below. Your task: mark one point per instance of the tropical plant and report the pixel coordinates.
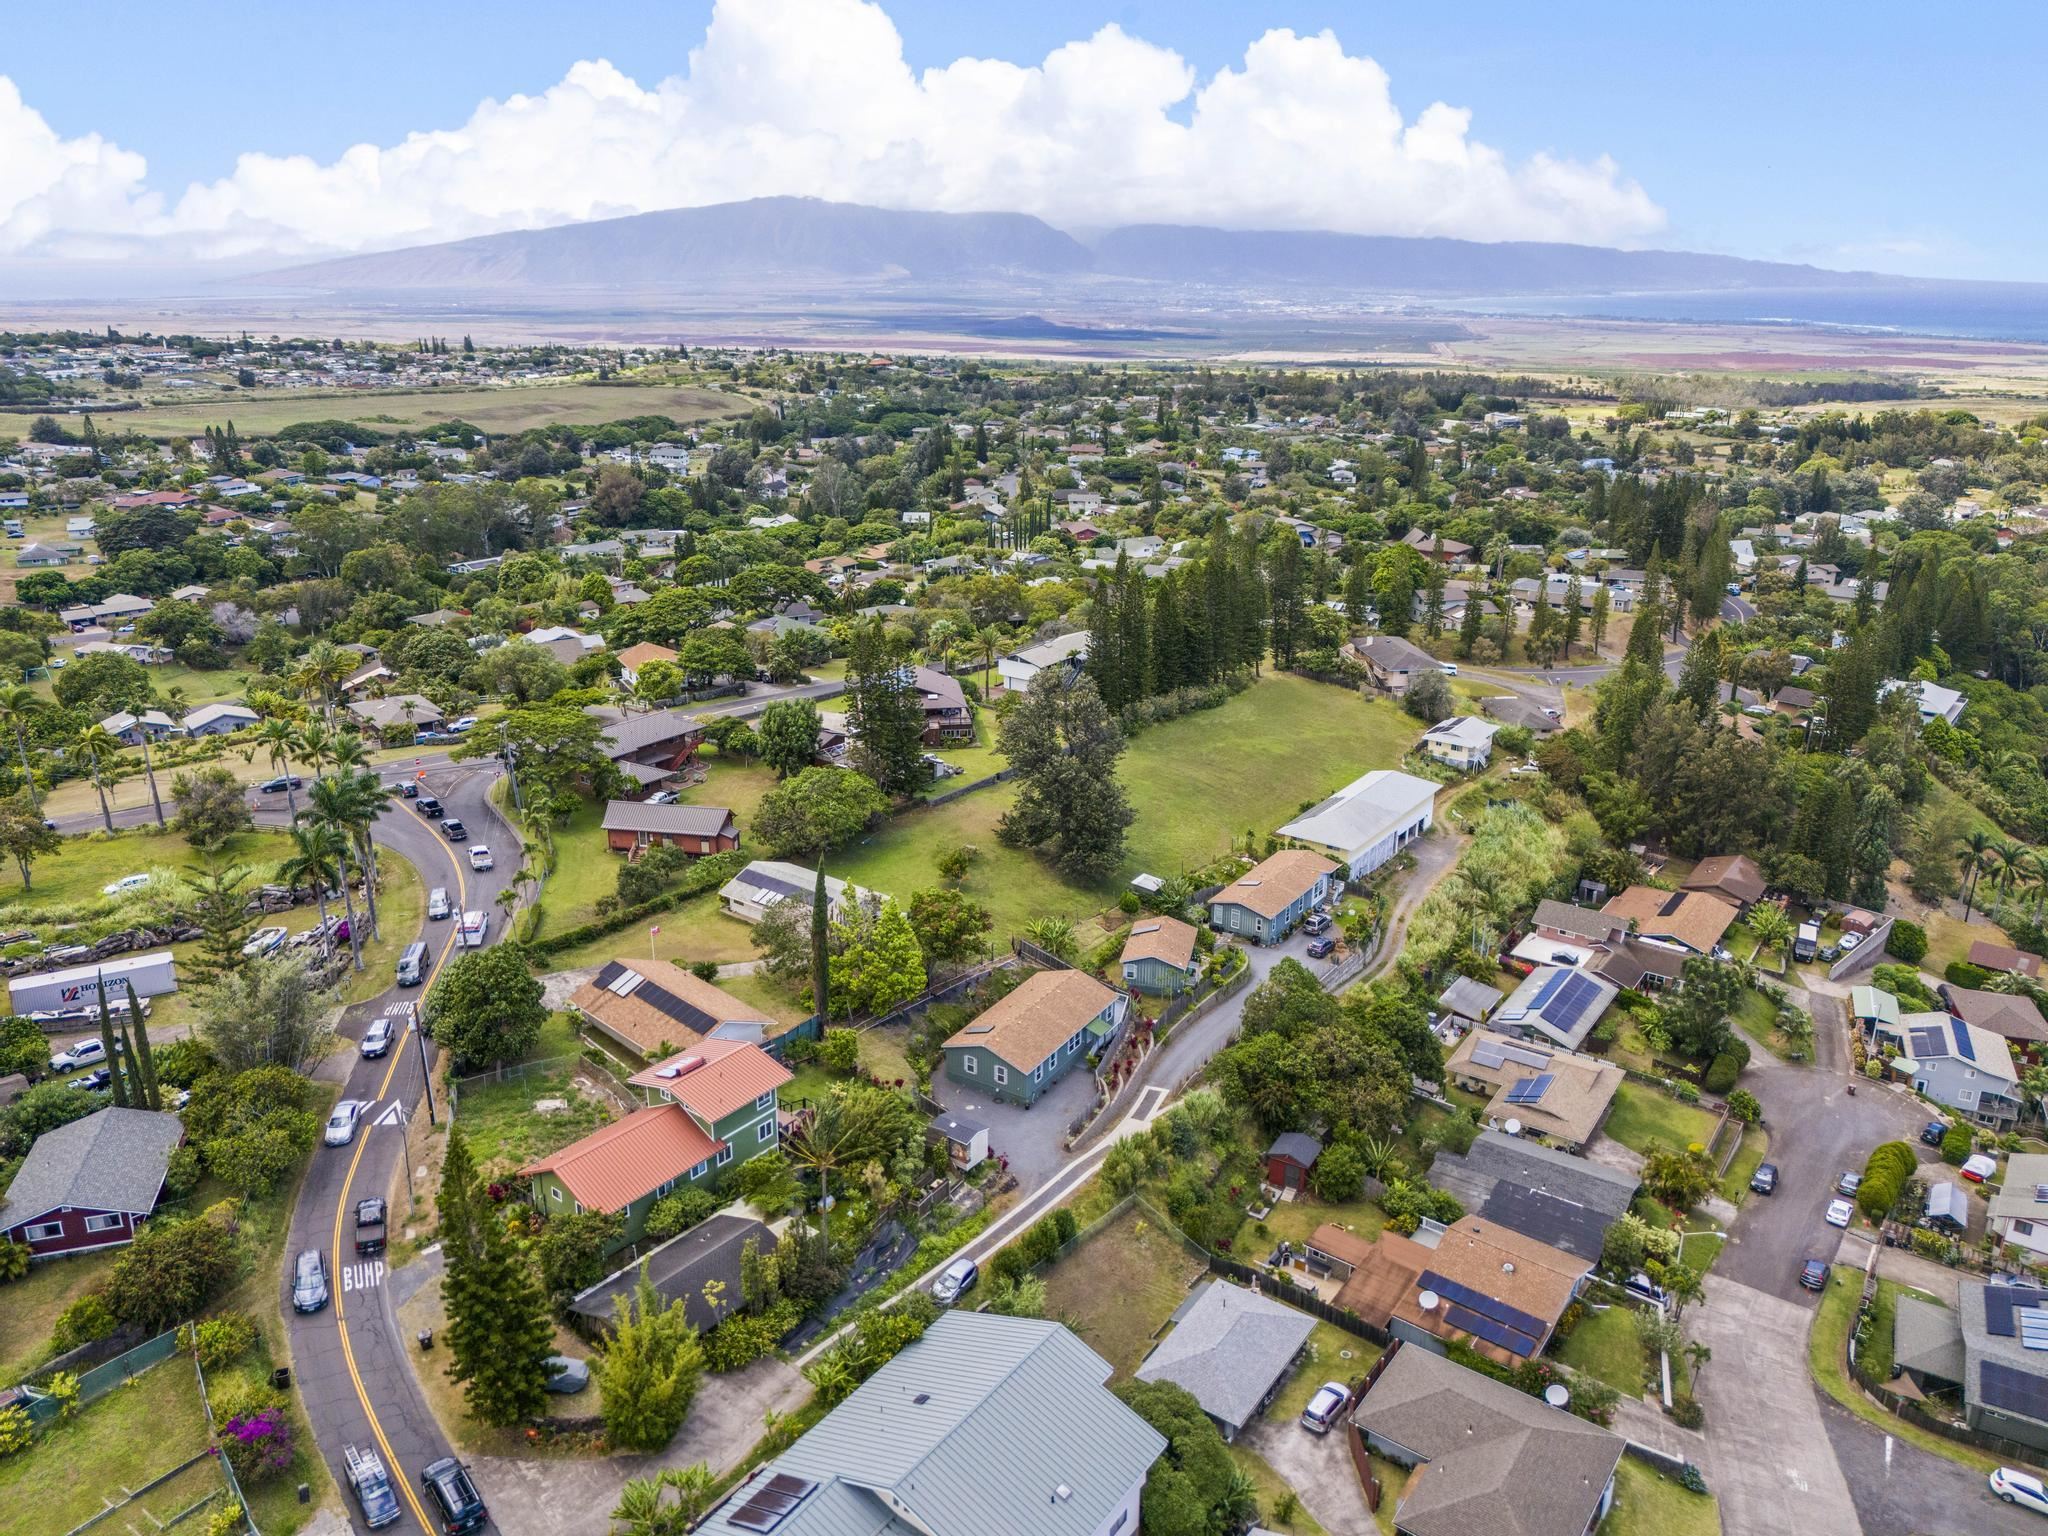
(19, 705)
(97, 745)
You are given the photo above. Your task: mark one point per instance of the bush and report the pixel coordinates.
(1722, 1072)
(16, 1431)
(1686, 1411)
(1128, 903)
(1884, 1178)
(746, 1337)
(1743, 1106)
(14, 1260)
(223, 1339)
(840, 1051)
(1908, 942)
(1956, 1145)
(1684, 1092)
(1339, 1174)
(679, 1212)
(259, 1445)
(1904, 983)
(1961, 973)
(85, 1320)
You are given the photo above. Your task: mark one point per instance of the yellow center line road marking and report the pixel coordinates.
(348, 1353)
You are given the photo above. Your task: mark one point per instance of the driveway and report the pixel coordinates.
(1035, 1139)
(1767, 1452)
(1318, 1468)
(1901, 1490)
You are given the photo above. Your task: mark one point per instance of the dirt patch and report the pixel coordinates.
(1118, 1289)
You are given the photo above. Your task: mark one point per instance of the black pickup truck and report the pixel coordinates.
(370, 1226)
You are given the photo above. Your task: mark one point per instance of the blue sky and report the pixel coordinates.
(1870, 137)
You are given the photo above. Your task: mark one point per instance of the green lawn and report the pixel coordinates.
(136, 1432)
(1756, 1143)
(767, 994)
(1605, 1345)
(1332, 1355)
(1118, 1289)
(1296, 1220)
(501, 409)
(75, 873)
(32, 1305)
(696, 930)
(498, 1117)
(401, 906)
(975, 760)
(1647, 1503)
(1641, 1115)
(1757, 1020)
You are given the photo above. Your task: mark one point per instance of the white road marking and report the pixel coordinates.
(362, 1277)
(390, 1116)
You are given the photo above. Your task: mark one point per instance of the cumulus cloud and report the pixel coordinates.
(814, 97)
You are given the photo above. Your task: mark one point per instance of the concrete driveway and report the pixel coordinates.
(1034, 1139)
(1767, 1451)
(1318, 1468)
(1901, 1490)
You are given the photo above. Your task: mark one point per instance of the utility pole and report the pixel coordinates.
(426, 1072)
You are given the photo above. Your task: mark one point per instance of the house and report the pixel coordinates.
(1265, 903)
(986, 1426)
(632, 825)
(1993, 1347)
(654, 1008)
(1159, 956)
(1475, 1280)
(2011, 1016)
(132, 730)
(966, 1140)
(1513, 709)
(1436, 546)
(1291, 1159)
(1230, 1349)
(46, 555)
(373, 671)
(121, 608)
(1733, 877)
(681, 1269)
(1067, 653)
(1391, 662)
(437, 618)
(1991, 956)
(648, 747)
(623, 1168)
(1369, 820)
(1567, 1110)
(398, 720)
(1874, 1010)
(768, 882)
(1557, 1004)
(91, 1183)
(1565, 1201)
(1933, 701)
(218, 720)
(1487, 1458)
(1691, 920)
(1966, 1068)
(634, 657)
(1469, 1002)
(2018, 1215)
(1027, 1040)
(1639, 965)
(568, 646)
(946, 715)
(1464, 742)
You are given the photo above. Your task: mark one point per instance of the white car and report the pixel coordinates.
(341, 1125)
(664, 797)
(466, 723)
(2021, 1488)
(479, 856)
(1840, 1212)
(438, 905)
(1526, 770)
(263, 941)
(125, 884)
(83, 1054)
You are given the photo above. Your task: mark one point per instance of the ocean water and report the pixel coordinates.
(1986, 311)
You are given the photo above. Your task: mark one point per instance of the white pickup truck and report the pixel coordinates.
(474, 926)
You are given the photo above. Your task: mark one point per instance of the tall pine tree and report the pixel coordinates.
(499, 1332)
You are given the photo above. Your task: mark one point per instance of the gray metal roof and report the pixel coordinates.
(111, 1160)
(973, 1430)
(680, 1267)
(682, 820)
(1928, 1339)
(1300, 1146)
(1470, 999)
(1229, 1349)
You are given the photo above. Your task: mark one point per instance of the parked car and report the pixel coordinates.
(1765, 1180)
(1848, 1184)
(466, 723)
(479, 856)
(372, 1484)
(1320, 1416)
(83, 1054)
(567, 1374)
(454, 830)
(94, 1080)
(439, 907)
(280, 784)
(663, 797)
(455, 1501)
(263, 941)
(2021, 1488)
(377, 1038)
(1933, 1133)
(341, 1125)
(1450, 669)
(1318, 948)
(309, 1282)
(427, 806)
(125, 884)
(409, 790)
(959, 1277)
(1528, 770)
(1840, 1213)
(1316, 922)
(1813, 1274)
(1978, 1167)
(1643, 1288)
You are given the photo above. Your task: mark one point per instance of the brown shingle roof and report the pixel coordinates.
(1691, 918)
(634, 657)
(728, 1075)
(2003, 957)
(643, 1017)
(2003, 1013)
(1734, 876)
(612, 1167)
(1341, 1244)
(1571, 1108)
(1276, 883)
(1166, 939)
(1043, 1013)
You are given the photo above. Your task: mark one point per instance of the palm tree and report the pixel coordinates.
(2009, 861)
(642, 1511)
(316, 748)
(315, 859)
(846, 1132)
(20, 704)
(988, 645)
(278, 740)
(96, 744)
(331, 805)
(1770, 927)
(320, 674)
(1974, 859)
(149, 772)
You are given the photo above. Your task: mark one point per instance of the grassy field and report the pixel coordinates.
(1757, 1019)
(512, 409)
(975, 760)
(1641, 1115)
(696, 930)
(1118, 1289)
(1605, 1345)
(1296, 1220)
(1332, 1355)
(497, 1117)
(1647, 1503)
(32, 1308)
(76, 873)
(136, 1432)
(1756, 1143)
(767, 994)
(194, 686)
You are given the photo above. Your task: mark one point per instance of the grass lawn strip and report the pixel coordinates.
(1756, 1141)
(1757, 1019)
(1606, 1345)
(75, 874)
(1642, 1116)
(1325, 1360)
(29, 1308)
(1647, 1503)
(1118, 1289)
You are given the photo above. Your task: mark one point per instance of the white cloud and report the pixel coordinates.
(813, 97)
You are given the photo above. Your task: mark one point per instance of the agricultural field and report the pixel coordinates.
(513, 408)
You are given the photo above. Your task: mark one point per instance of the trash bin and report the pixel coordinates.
(426, 1338)
(281, 1377)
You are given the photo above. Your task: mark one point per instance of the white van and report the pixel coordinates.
(412, 965)
(474, 926)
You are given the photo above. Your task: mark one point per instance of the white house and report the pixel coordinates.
(218, 719)
(1463, 742)
(1935, 702)
(768, 883)
(1020, 667)
(1369, 820)
(129, 729)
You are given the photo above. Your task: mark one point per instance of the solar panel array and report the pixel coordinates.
(2012, 1390)
(1531, 1089)
(772, 1503)
(615, 974)
(1927, 1043)
(2000, 1302)
(1484, 1317)
(1965, 1048)
(1499, 1055)
(772, 885)
(1570, 1001)
(2033, 1327)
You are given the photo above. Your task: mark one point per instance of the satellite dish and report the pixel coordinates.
(1513, 1127)
(1427, 1301)
(1557, 1396)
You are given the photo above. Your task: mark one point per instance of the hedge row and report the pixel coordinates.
(707, 874)
(1884, 1177)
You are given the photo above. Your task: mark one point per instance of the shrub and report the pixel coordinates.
(840, 1051)
(1955, 1146)
(1684, 1092)
(1908, 942)
(259, 1445)
(86, 1319)
(1884, 1177)
(1686, 1411)
(1721, 1074)
(705, 970)
(1339, 1174)
(746, 1337)
(1605, 1033)
(1743, 1106)
(1128, 903)
(15, 1430)
(1961, 973)
(14, 1260)
(1690, 1479)
(181, 1176)
(679, 1212)
(222, 1339)
(1904, 983)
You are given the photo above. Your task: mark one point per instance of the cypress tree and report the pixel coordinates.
(821, 924)
(116, 1069)
(1133, 643)
(1169, 636)
(498, 1328)
(1105, 649)
(1469, 622)
(151, 1093)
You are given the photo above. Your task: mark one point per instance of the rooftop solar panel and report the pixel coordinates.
(1480, 1302)
(1928, 1043)
(2000, 1302)
(1531, 1089)
(2012, 1390)
(1493, 1332)
(1965, 1048)
(773, 886)
(2033, 1327)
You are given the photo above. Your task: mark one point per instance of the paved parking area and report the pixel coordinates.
(1318, 1468)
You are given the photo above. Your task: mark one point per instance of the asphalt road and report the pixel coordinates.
(357, 1387)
